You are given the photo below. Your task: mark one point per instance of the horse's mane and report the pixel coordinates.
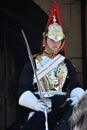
(79, 114)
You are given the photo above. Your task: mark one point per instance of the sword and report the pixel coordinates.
(32, 63)
(34, 70)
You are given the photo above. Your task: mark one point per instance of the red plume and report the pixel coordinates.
(54, 10)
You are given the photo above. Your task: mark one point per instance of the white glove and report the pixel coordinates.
(73, 99)
(28, 99)
(75, 95)
(40, 106)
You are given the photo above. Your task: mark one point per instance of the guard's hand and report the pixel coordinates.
(76, 95)
(41, 106)
(74, 100)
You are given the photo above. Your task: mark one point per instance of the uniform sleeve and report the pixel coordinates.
(26, 79)
(72, 79)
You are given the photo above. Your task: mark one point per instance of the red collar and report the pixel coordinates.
(49, 54)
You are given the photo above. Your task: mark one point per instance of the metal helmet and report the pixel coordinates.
(55, 31)
(53, 27)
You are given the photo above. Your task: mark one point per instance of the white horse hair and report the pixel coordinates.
(78, 118)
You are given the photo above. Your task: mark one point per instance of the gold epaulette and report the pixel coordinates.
(39, 57)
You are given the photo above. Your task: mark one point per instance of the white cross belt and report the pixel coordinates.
(48, 67)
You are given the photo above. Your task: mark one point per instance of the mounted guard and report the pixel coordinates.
(53, 78)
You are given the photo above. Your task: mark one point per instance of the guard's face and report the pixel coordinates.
(53, 45)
